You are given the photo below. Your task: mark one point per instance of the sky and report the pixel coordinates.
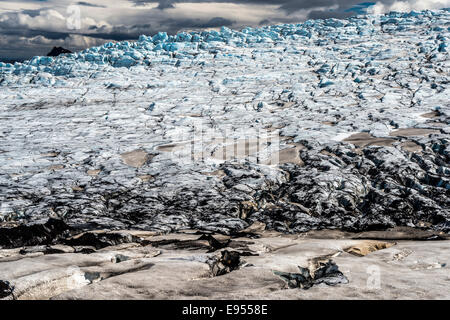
(32, 27)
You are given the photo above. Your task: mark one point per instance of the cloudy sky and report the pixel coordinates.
(33, 27)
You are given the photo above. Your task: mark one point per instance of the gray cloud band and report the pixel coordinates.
(288, 6)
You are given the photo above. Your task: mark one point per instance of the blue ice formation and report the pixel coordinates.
(191, 47)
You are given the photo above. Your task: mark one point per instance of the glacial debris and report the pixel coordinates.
(318, 271)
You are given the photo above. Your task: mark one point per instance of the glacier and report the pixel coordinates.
(138, 134)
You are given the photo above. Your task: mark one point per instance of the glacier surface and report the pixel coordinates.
(144, 134)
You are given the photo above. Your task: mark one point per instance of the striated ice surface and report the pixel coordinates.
(139, 134)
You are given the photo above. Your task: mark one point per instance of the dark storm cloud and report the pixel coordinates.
(119, 33)
(30, 33)
(288, 6)
(199, 24)
(325, 14)
(172, 26)
(165, 4)
(87, 4)
(32, 12)
(318, 9)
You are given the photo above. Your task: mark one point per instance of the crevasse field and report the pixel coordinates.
(324, 124)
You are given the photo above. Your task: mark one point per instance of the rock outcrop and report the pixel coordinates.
(56, 51)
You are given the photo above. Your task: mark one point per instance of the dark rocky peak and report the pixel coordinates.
(56, 51)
